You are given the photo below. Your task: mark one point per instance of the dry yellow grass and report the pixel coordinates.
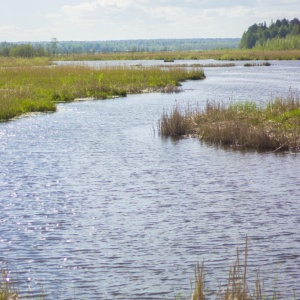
(237, 287)
(240, 125)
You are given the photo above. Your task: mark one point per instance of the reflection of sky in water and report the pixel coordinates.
(95, 205)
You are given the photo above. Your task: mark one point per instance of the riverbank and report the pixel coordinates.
(166, 56)
(27, 89)
(239, 125)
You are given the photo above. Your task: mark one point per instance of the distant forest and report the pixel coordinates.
(56, 47)
(282, 34)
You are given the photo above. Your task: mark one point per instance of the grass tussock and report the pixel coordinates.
(237, 287)
(36, 89)
(240, 125)
(264, 64)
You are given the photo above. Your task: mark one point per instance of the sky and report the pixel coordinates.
(100, 20)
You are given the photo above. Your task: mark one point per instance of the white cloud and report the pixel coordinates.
(7, 28)
(168, 13)
(129, 19)
(53, 16)
(8, 31)
(93, 6)
(278, 2)
(233, 12)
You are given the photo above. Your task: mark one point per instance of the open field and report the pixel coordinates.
(36, 89)
(240, 125)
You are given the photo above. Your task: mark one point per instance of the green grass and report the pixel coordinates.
(6, 62)
(240, 125)
(36, 89)
(223, 54)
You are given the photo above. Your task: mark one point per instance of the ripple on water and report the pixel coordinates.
(94, 205)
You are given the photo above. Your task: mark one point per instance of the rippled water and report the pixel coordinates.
(94, 205)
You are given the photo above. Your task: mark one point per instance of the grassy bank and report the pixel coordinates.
(242, 125)
(226, 54)
(36, 89)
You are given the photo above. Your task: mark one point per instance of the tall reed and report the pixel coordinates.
(237, 287)
(7, 289)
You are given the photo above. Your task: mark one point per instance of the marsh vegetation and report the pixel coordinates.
(30, 86)
(241, 125)
(220, 54)
(238, 286)
(7, 289)
(26, 89)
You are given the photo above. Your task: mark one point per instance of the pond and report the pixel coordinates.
(95, 205)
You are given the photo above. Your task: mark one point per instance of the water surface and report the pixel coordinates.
(95, 205)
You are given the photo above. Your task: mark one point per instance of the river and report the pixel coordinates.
(95, 205)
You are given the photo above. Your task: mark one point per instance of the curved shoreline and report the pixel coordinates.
(28, 89)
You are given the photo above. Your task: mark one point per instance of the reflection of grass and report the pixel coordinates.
(264, 64)
(277, 126)
(224, 65)
(237, 287)
(31, 89)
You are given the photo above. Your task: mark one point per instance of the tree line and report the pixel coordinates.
(55, 47)
(260, 34)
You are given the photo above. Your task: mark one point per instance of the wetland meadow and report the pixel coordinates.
(120, 199)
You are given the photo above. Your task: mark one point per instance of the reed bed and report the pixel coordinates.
(36, 89)
(223, 54)
(237, 287)
(240, 125)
